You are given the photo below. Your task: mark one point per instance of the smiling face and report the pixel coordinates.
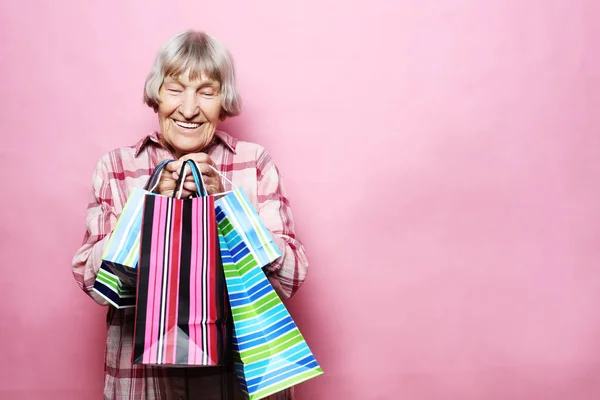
(188, 112)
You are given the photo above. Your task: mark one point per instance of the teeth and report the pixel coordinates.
(187, 124)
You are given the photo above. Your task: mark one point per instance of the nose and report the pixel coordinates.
(190, 106)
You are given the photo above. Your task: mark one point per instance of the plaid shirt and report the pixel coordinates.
(117, 173)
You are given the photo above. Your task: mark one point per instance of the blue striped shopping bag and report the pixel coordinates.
(250, 229)
(110, 287)
(117, 276)
(270, 354)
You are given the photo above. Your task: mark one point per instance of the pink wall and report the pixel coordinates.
(442, 158)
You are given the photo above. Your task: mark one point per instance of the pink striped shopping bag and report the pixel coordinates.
(182, 306)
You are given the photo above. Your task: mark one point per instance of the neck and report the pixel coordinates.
(177, 154)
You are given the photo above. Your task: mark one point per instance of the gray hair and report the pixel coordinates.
(195, 53)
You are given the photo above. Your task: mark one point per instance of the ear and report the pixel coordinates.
(155, 105)
(223, 115)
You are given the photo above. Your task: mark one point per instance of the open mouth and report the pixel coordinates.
(188, 125)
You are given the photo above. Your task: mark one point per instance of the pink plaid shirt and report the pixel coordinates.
(117, 173)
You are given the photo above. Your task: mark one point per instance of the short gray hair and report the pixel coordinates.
(195, 53)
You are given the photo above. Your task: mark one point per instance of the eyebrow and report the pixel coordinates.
(211, 82)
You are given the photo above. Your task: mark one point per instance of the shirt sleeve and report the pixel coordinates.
(100, 221)
(288, 272)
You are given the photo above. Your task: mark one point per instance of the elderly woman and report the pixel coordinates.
(191, 87)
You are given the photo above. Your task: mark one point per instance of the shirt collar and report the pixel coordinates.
(226, 139)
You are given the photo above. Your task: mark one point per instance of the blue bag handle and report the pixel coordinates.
(155, 176)
(200, 189)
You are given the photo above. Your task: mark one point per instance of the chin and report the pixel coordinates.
(187, 146)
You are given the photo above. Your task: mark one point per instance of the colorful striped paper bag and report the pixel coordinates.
(270, 353)
(182, 310)
(110, 287)
(122, 251)
(249, 227)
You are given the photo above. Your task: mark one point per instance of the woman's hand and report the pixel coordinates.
(170, 174)
(212, 180)
(168, 180)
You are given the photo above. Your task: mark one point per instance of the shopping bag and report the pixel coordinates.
(269, 351)
(110, 287)
(182, 309)
(122, 251)
(244, 219)
(249, 228)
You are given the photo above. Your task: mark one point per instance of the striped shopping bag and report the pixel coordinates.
(270, 353)
(182, 311)
(122, 251)
(250, 229)
(110, 287)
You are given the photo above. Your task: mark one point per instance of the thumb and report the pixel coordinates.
(173, 166)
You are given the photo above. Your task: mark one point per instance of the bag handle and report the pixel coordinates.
(223, 177)
(198, 180)
(155, 176)
(233, 185)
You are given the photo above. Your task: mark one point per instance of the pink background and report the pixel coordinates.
(442, 158)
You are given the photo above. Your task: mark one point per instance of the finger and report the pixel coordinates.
(191, 186)
(210, 189)
(188, 178)
(213, 186)
(165, 178)
(165, 174)
(216, 183)
(182, 192)
(175, 173)
(209, 182)
(213, 190)
(206, 170)
(179, 163)
(203, 161)
(173, 166)
(176, 169)
(184, 195)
